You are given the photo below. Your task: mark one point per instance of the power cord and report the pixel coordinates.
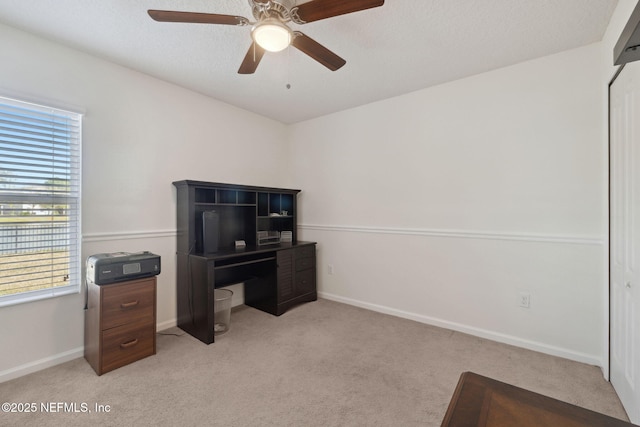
(170, 333)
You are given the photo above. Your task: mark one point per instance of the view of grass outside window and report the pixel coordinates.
(39, 201)
(27, 265)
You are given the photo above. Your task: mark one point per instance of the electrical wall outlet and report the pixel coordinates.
(524, 299)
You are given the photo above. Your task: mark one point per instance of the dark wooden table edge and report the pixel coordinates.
(588, 417)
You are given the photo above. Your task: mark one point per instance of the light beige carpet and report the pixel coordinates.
(320, 364)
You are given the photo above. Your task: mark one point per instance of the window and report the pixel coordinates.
(39, 201)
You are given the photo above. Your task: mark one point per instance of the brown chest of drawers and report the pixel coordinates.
(120, 323)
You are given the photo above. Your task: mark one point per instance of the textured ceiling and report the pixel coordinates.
(403, 46)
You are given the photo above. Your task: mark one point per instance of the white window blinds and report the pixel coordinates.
(39, 201)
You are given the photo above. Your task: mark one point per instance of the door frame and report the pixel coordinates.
(608, 249)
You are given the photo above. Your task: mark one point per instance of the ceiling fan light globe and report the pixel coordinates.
(272, 35)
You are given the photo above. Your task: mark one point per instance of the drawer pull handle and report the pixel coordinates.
(129, 343)
(129, 304)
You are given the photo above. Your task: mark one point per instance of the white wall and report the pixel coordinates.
(140, 134)
(444, 204)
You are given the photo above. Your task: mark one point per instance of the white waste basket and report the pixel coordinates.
(221, 311)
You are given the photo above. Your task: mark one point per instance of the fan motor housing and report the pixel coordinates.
(272, 9)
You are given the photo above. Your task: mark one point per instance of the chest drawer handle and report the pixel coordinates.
(129, 304)
(129, 343)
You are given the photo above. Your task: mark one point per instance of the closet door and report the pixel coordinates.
(625, 238)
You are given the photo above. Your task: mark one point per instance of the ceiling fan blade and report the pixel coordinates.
(251, 59)
(196, 18)
(316, 10)
(316, 51)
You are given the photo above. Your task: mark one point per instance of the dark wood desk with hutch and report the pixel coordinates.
(276, 276)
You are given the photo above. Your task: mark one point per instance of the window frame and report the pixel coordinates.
(74, 233)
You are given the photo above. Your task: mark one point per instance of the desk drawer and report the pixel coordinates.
(127, 303)
(305, 281)
(126, 344)
(306, 252)
(305, 263)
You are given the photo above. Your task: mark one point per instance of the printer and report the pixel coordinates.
(104, 269)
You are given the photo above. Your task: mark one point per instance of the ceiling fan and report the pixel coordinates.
(271, 33)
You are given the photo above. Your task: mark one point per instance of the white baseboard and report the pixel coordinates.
(57, 359)
(166, 325)
(478, 332)
(41, 364)
(47, 362)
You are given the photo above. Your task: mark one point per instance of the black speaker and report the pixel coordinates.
(210, 231)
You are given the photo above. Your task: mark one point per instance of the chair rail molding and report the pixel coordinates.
(125, 235)
(464, 234)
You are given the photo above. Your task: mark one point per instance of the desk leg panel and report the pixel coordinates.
(195, 297)
(261, 293)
